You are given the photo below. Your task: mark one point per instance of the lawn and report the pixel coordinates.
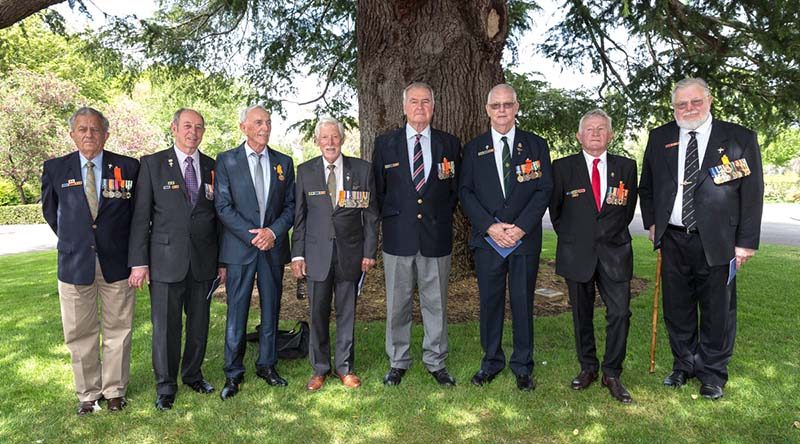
(761, 403)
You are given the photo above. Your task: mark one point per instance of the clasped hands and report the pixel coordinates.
(505, 235)
(264, 240)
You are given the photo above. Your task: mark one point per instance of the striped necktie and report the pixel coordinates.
(419, 165)
(691, 170)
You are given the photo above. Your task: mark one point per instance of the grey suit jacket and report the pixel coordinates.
(316, 222)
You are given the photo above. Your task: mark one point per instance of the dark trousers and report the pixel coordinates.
(168, 302)
(616, 296)
(239, 287)
(321, 294)
(520, 270)
(695, 291)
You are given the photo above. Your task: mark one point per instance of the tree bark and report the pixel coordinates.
(453, 45)
(12, 11)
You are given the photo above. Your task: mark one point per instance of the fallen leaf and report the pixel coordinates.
(695, 396)
(575, 432)
(796, 424)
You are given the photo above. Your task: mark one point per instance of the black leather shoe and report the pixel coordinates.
(164, 402)
(709, 391)
(443, 377)
(525, 383)
(584, 379)
(230, 389)
(270, 374)
(616, 389)
(394, 376)
(676, 379)
(201, 386)
(481, 378)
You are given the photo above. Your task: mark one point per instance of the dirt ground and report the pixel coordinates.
(462, 303)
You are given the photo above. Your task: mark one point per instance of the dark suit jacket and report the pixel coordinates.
(167, 233)
(237, 207)
(586, 236)
(66, 209)
(355, 229)
(404, 232)
(482, 195)
(728, 215)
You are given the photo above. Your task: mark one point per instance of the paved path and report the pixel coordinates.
(780, 225)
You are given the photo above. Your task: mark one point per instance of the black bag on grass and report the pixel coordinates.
(292, 344)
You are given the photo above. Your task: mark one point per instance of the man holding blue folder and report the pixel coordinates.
(505, 189)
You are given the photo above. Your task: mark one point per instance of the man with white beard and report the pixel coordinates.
(702, 194)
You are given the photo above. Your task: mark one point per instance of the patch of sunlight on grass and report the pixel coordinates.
(377, 431)
(285, 416)
(45, 372)
(594, 412)
(463, 417)
(595, 433)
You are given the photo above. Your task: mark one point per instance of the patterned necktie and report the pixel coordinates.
(91, 189)
(190, 176)
(259, 184)
(332, 184)
(506, 165)
(596, 184)
(691, 170)
(419, 165)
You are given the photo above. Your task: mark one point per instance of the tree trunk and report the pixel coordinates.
(23, 199)
(453, 45)
(12, 11)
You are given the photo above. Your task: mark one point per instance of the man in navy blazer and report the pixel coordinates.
(505, 189)
(255, 203)
(87, 201)
(416, 170)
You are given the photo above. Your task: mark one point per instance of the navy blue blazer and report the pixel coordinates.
(416, 222)
(237, 206)
(80, 239)
(482, 195)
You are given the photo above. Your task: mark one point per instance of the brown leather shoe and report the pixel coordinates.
(117, 404)
(315, 383)
(350, 380)
(616, 389)
(87, 407)
(584, 379)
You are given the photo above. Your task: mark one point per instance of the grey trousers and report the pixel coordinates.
(320, 295)
(431, 277)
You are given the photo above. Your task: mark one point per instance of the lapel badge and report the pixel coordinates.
(519, 148)
(671, 145)
(169, 161)
(612, 174)
(110, 166)
(347, 177)
(720, 150)
(279, 170)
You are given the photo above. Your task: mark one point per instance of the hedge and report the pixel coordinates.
(21, 214)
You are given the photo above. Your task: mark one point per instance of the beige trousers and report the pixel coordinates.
(97, 376)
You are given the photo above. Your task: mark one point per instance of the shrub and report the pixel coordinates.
(21, 214)
(10, 196)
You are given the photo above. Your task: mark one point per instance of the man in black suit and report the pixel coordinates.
(254, 197)
(416, 170)
(702, 194)
(173, 247)
(334, 242)
(593, 201)
(87, 201)
(505, 188)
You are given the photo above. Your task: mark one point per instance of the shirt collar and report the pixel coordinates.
(249, 150)
(590, 159)
(411, 132)
(703, 129)
(339, 162)
(182, 156)
(97, 161)
(510, 135)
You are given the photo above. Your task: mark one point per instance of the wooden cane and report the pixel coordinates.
(655, 316)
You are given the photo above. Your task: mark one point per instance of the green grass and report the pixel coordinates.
(761, 401)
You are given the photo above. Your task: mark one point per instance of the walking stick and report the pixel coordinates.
(655, 316)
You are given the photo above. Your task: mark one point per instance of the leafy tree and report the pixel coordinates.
(785, 148)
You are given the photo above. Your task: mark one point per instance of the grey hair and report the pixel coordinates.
(504, 86)
(597, 112)
(243, 113)
(421, 85)
(690, 81)
(329, 121)
(177, 116)
(88, 111)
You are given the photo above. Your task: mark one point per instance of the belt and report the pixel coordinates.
(682, 229)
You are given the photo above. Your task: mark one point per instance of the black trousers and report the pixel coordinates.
(168, 302)
(493, 270)
(616, 296)
(699, 309)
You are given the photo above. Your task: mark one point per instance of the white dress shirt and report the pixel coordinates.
(425, 141)
(498, 153)
(251, 161)
(703, 132)
(602, 168)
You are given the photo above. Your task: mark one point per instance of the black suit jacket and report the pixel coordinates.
(81, 240)
(355, 229)
(482, 195)
(167, 233)
(587, 236)
(728, 215)
(415, 222)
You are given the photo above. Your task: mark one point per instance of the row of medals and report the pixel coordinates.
(112, 190)
(354, 199)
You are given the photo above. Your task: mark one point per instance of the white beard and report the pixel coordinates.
(691, 125)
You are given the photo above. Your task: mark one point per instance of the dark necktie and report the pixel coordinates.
(190, 176)
(332, 184)
(691, 170)
(259, 185)
(596, 184)
(91, 189)
(506, 165)
(419, 165)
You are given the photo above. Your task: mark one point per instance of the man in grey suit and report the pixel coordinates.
(173, 247)
(333, 243)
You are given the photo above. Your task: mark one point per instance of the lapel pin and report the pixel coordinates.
(720, 150)
(110, 166)
(169, 161)
(519, 148)
(612, 174)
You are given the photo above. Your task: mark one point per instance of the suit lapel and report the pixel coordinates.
(176, 175)
(671, 152)
(612, 178)
(74, 172)
(273, 176)
(487, 167)
(436, 155)
(402, 153)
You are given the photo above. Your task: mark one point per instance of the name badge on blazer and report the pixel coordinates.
(171, 185)
(447, 169)
(486, 150)
(72, 183)
(391, 165)
(617, 195)
(575, 193)
(317, 193)
(729, 171)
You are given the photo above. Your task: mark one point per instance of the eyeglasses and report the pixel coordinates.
(696, 103)
(504, 105)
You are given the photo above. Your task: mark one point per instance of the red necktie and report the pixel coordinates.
(596, 183)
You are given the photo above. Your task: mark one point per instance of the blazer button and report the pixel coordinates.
(94, 226)
(419, 216)
(91, 246)
(419, 201)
